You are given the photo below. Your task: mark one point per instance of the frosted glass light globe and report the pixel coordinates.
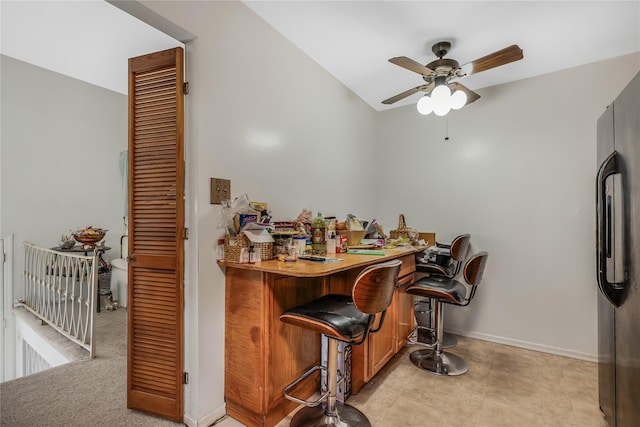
(441, 94)
(441, 109)
(458, 99)
(425, 105)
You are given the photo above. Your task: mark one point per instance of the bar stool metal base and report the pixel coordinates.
(440, 364)
(429, 338)
(315, 416)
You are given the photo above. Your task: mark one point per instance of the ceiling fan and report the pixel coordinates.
(438, 75)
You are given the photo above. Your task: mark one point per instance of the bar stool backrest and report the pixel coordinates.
(474, 268)
(373, 289)
(459, 247)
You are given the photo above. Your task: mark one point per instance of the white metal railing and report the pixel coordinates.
(60, 288)
(35, 349)
(32, 361)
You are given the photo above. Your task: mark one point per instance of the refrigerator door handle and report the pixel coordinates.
(609, 225)
(613, 291)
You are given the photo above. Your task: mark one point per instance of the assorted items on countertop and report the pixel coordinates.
(252, 236)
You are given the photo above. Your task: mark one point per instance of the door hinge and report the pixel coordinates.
(185, 377)
(185, 88)
(185, 233)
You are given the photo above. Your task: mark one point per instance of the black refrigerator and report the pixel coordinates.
(618, 258)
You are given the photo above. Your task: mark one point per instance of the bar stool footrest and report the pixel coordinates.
(310, 403)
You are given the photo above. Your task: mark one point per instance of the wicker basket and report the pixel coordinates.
(233, 246)
(403, 232)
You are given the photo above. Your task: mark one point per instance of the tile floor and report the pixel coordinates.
(505, 386)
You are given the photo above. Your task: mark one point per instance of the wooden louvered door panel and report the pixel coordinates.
(156, 226)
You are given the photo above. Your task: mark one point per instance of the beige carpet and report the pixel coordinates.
(81, 393)
(505, 387)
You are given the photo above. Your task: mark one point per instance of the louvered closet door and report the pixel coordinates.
(156, 224)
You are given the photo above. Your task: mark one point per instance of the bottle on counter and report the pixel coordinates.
(318, 236)
(330, 222)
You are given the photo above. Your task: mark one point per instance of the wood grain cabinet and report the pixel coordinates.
(384, 344)
(404, 302)
(263, 355)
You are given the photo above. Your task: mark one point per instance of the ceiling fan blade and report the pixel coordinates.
(405, 94)
(411, 65)
(471, 95)
(495, 59)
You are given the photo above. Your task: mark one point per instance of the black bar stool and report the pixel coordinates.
(342, 318)
(442, 289)
(424, 335)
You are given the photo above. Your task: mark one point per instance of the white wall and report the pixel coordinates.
(261, 111)
(61, 140)
(264, 115)
(517, 174)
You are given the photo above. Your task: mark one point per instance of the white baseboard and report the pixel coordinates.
(188, 421)
(527, 345)
(207, 420)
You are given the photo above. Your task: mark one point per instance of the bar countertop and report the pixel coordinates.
(304, 268)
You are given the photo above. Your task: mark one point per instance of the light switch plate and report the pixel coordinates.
(220, 190)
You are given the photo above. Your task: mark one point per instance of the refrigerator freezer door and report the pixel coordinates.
(606, 310)
(627, 316)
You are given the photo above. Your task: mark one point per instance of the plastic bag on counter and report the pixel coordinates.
(353, 223)
(303, 222)
(262, 209)
(230, 210)
(375, 230)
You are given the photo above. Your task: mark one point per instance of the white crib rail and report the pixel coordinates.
(60, 289)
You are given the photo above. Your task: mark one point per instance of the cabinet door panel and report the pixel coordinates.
(382, 343)
(405, 311)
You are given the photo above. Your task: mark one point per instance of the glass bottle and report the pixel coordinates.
(318, 237)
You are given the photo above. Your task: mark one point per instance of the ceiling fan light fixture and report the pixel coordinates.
(441, 94)
(458, 99)
(441, 109)
(437, 73)
(425, 105)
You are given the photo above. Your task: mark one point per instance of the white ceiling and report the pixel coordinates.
(351, 39)
(89, 40)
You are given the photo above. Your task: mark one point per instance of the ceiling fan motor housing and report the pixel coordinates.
(440, 49)
(442, 67)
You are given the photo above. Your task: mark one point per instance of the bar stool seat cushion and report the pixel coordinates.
(332, 315)
(441, 288)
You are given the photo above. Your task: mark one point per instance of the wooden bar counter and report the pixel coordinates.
(263, 355)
